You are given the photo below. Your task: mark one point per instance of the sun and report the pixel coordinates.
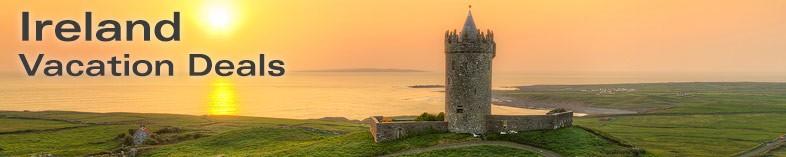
(218, 17)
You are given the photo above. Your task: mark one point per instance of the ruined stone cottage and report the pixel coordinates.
(141, 134)
(468, 57)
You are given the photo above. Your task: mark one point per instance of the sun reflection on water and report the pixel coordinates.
(222, 98)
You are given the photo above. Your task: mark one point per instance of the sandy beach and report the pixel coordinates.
(538, 107)
(507, 110)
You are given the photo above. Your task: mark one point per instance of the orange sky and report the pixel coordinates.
(601, 35)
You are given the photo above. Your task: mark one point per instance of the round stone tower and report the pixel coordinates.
(468, 56)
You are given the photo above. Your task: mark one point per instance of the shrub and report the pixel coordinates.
(557, 110)
(386, 120)
(156, 136)
(178, 138)
(121, 136)
(430, 117)
(131, 131)
(127, 141)
(151, 141)
(426, 117)
(168, 130)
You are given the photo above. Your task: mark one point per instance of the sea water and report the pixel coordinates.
(298, 95)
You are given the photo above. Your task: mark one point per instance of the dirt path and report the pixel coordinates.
(760, 149)
(540, 151)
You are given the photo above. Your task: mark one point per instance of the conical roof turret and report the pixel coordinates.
(469, 27)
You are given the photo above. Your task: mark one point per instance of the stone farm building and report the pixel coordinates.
(141, 134)
(468, 57)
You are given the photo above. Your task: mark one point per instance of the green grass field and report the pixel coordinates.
(570, 141)
(68, 142)
(362, 144)
(479, 150)
(21, 125)
(693, 135)
(662, 97)
(716, 119)
(97, 133)
(243, 142)
(94, 133)
(297, 142)
(203, 123)
(777, 151)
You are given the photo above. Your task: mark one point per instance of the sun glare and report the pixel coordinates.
(219, 17)
(222, 99)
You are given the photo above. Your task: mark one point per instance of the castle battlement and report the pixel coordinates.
(461, 42)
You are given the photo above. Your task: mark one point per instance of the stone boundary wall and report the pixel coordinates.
(394, 130)
(389, 131)
(496, 123)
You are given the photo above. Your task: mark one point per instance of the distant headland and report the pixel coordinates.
(364, 70)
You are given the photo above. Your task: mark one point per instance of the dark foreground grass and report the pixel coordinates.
(478, 150)
(569, 141)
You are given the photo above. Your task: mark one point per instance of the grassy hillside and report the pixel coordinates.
(362, 144)
(68, 142)
(570, 141)
(27, 125)
(693, 135)
(244, 142)
(265, 141)
(78, 133)
(204, 123)
(479, 150)
(715, 119)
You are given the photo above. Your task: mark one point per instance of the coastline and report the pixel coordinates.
(579, 110)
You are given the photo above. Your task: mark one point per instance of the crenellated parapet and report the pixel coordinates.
(460, 42)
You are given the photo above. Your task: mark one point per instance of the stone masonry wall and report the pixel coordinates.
(467, 91)
(496, 123)
(468, 79)
(562, 119)
(394, 130)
